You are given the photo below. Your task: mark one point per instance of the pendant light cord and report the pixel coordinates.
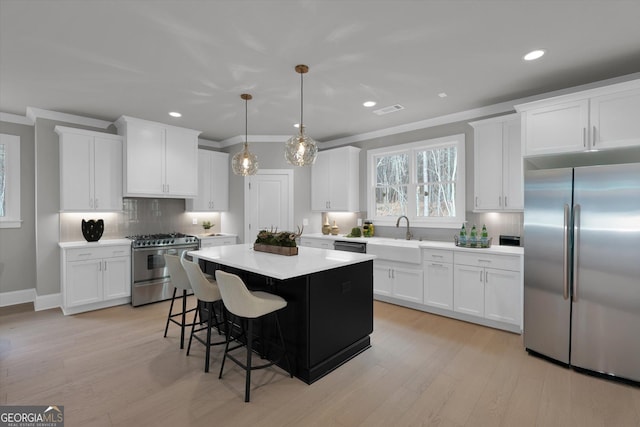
(301, 100)
(246, 123)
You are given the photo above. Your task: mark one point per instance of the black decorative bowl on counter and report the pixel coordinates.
(92, 230)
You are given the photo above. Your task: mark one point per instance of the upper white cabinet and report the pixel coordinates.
(335, 180)
(213, 183)
(597, 119)
(498, 178)
(90, 170)
(159, 160)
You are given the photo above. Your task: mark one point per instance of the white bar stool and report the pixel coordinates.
(248, 306)
(179, 280)
(207, 293)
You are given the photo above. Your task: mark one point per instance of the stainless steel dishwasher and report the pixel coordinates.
(348, 246)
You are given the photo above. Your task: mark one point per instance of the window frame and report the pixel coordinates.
(12, 218)
(412, 149)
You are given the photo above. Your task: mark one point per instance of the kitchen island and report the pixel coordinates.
(329, 294)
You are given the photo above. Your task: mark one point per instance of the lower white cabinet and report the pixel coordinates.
(95, 277)
(398, 280)
(316, 243)
(438, 278)
(208, 242)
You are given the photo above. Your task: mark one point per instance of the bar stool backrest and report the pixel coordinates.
(237, 298)
(177, 274)
(203, 289)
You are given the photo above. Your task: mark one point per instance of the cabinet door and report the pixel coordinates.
(502, 300)
(144, 159)
(203, 201)
(320, 172)
(83, 282)
(615, 120)
(438, 285)
(340, 164)
(181, 163)
(107, 174)
(219, 181)
(488, 166)
(382, 281)
(116, 277)
(559, 128)
(408, 283)
(76, 172)
(468, 290)
(512, 175)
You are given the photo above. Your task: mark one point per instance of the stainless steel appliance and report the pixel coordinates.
(349, 246)
(150, 278)
(582, 267)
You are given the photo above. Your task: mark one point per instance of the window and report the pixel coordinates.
(9, 181)
(422, 180)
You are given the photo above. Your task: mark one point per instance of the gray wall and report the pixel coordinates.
(18, 245)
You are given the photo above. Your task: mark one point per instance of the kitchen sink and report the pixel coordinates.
(396, 250)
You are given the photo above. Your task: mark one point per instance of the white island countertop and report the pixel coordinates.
(308, 261)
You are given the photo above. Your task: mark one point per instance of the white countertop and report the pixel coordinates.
(431, 244)
(308, 260)
(99, 243)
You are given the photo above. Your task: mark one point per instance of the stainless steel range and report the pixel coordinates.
(150, 278)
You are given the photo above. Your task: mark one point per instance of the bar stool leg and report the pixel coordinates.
(193, 326)
(208, 351)
(173, 298)
(184, 316)
(249, 351)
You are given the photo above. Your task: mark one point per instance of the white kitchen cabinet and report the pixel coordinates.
(316, 242)
(489, 286)
(438, 278)
(398, 280)
(498, 177)
(335, 180)
(595, 119)
(159, 160)
(90, 170)
(95, 276)
(211, 241)
(213, 183)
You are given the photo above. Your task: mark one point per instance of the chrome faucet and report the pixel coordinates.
(409, 235)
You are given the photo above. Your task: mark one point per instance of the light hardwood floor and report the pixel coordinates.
(113, 368)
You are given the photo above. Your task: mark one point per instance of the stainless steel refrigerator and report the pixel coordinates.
(582, 267)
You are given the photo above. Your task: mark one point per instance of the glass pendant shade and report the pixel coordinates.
(245, 162)
(301, 150)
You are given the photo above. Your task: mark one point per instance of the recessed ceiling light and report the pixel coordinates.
(175, 114)
(442, 95)
(369, 104)
(534, 54)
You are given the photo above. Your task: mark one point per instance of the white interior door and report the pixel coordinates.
(268, 202)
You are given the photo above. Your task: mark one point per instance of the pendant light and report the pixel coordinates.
(300, 149)
(245, 162)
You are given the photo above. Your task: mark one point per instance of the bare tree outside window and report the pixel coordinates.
(436, 182)
(392, 185)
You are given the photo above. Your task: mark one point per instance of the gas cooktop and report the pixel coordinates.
(162, 239)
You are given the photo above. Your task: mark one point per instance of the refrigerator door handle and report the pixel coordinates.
(576, 251)
(565, 251)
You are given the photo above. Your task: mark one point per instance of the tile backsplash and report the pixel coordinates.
(140, 216)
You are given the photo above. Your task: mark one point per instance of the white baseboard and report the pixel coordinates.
(17, 297)
(45, 302)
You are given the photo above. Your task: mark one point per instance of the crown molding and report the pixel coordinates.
(239, 139)
(39, 113)
(209, 143)
(15, 118)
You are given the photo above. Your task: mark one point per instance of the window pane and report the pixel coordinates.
(2, 180)
(391, 201)
(436, 200)
(437, 165)
(392, 170)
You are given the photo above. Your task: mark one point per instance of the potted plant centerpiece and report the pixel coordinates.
(277, 242)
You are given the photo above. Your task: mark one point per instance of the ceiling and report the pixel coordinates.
(144, 58)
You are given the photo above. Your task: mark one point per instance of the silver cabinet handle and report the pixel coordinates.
(505, 201)
(105, 266)
(486, 277)
(565, 253)
(584, 137)
(481, 275)
(593, 139)
(476, 201)
(576, 252)
(436, 265)
(95, 205)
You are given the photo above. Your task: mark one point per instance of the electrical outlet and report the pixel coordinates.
(305, 222)
(194, 221)
(359, 222)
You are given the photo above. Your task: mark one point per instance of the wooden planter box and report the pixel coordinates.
(279, 250)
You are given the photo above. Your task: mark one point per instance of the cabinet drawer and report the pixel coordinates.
(502, 262)
(437, 255)
(79, 254)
